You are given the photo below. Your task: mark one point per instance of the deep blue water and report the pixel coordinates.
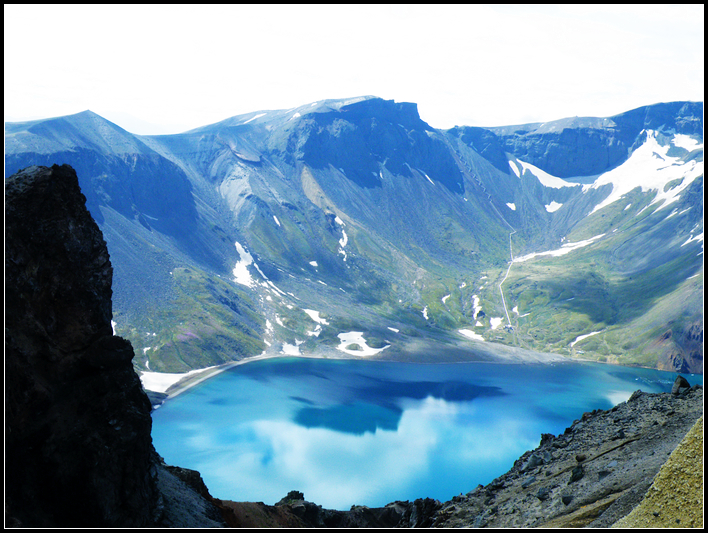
(369, 433)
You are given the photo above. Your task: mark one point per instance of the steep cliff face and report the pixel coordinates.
(77, 434)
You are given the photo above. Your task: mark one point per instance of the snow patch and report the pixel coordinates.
(254, 118)
(425, 312)
(343, 241)
(315, 316)
(315, 332)
(650, 168)
(314, 263)
(291, 349)
(515, 169)
(393, 329)
(545, 178)
(553, 207)
(496, 322)
(686, 142)
(276, 220)
(357, 337)
(240, 271)
(444, 298)
(692, 238)
(564, 249)
(471, 334)
(511, 206)
(477, 307)
(582, 337)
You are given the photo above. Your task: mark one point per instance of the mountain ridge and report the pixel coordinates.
(360, 210)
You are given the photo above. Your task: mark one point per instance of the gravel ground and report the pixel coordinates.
(591, 475)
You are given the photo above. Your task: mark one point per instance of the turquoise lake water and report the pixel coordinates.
(369, 433)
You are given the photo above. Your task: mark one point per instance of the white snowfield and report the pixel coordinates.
(254, 118)
(686, 142)
(471, 334)
(650, 168)
(243, 276)
(692, 238)
(515, 168)
(291, 349)
(477, 307)
(544, 177)
(357, 337)
(240, 271)
(343, 241)
(553, 207)
(564, 249)
(315, 316)
(582, 337)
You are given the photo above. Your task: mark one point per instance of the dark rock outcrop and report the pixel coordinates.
(681, 350)
(77, 434)
(78, 449)
(294, 511)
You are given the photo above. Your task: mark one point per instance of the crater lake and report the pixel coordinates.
(363, 432)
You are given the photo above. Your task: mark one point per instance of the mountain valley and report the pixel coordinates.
(352, 228)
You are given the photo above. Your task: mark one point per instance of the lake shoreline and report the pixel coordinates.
(195, 377)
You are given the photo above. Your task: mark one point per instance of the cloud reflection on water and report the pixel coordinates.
(367, 433)
(337, 469)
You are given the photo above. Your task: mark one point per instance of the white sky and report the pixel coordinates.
(165, 69)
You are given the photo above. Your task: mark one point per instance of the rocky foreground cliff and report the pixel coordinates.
(78, 450)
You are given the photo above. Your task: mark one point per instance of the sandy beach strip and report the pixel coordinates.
(175, 384)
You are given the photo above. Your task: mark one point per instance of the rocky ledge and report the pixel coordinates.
(294, 511)
(595, 472)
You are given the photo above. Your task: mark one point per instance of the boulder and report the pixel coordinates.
(680, 386)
